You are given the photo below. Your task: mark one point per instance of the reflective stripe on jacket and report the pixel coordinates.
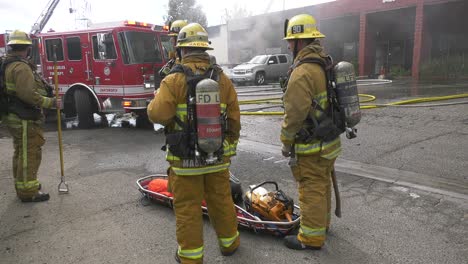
(307, 83)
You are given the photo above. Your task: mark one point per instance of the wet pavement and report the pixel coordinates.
(384, 91)
(407, 89)
(396, 178)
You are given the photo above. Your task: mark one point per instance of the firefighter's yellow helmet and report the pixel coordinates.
(19, 37)
(176, 26)
(193, 35)
(302, 26)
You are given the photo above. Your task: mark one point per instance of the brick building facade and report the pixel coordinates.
(376, 35)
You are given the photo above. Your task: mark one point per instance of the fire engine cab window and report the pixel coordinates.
(139, 47)
(50, 43)
(166, 45)
(73, 48)
(103, 47)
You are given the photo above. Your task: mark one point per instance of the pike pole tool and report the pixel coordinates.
(63, 186)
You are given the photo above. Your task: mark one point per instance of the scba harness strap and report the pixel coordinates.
(330, 124)
(11, 103)
(184, 143)
(5, 99)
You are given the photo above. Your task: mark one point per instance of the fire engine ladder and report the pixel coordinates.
(44, 17)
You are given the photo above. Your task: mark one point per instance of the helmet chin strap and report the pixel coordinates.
(179, 53)
(295, 51)
(29, 52)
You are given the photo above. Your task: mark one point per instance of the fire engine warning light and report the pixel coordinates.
(137, 24)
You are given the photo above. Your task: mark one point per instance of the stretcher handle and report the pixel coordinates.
(261, 184)
(265, 182)
(233, 178)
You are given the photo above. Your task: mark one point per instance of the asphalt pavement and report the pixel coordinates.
(403, 184)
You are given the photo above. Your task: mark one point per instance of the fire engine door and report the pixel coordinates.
(106, 78)
(78, 55)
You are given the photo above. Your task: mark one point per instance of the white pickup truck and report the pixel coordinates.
(262, 68)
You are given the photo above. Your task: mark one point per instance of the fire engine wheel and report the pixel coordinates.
(260, 78)
(142, 121)
(84, 109)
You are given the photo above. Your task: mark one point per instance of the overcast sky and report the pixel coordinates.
(23, 14)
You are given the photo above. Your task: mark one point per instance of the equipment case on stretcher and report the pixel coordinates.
(245, 219)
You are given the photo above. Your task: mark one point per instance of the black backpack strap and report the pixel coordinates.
(192, 80)
(7, 60)
(326, 64)
(177, 69)
(215, 71)
(4, 63)
(318, 61)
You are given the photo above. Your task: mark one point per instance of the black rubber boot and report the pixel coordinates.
(231, 249)
(230, 253)
(293, 243)
(39, 197)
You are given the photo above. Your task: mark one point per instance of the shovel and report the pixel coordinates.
(63, 186)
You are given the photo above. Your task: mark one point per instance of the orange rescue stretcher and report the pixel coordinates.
(246, 219)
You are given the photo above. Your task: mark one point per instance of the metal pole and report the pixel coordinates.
(63, 186)
(337, 194)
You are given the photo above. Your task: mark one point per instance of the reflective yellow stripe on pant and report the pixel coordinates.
(191, 253)
(313, 175)
(27, 140)
(189, 191)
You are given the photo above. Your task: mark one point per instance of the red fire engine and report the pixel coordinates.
(2, 44)
(106, 69)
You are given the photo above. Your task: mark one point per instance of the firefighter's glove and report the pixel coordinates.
(286, 150)
(50, 90)
(58, 103)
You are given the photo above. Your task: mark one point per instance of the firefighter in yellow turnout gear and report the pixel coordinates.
(191, 180)
(314, 158)
(174, 29)
(27, 94)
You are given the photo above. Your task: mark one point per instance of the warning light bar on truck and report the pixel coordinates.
(137, 24)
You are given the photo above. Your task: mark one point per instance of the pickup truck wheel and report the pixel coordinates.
(260, 78)
(83, 109)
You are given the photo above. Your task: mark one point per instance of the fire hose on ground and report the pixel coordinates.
(404, 103)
